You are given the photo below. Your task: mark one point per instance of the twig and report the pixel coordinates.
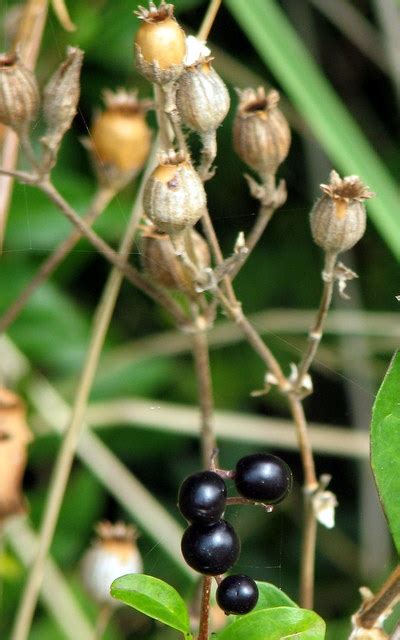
(205, 608)
(209, 19)
(102, 621)
(376, 608)
(303, 438)
(99, 204)
(67, 451)
(205, 395)
(308, 548)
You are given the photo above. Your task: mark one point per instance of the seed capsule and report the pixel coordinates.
(120, 137)
(202, 97)
(160, 44)
(261, 134)
(19, 93)
(338, 218)
(174, 197)
(113, 554)
(165, 268)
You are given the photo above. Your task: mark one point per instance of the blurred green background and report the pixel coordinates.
(334, 65)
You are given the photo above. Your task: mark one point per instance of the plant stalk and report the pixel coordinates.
(205, 395)
(205, 609)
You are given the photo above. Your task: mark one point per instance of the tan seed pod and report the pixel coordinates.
(261, 134)
(174, 197)
(19, 93)
(160, 44)
(202, 97)
(113, 554)
(164, 267)
(120, 137)
(338, 218)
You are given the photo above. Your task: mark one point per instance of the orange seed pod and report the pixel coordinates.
(261, 134)
(338, 218)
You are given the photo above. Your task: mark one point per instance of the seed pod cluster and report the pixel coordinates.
(338, 218)
(19, 93)
(160, 44)
(210, 544)
(163, 266)
(261, 134)
(114, 553)
(174, 197)
(202, 97)
(120, 137)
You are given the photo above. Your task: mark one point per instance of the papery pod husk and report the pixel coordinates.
(174, 197)
(202, 97)
(61, 94)
(164, 267)
(19, 93)
(15, 436)
(334, 231)
(261, 134)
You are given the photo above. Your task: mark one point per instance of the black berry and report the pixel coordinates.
(237, 594)
(263, 477)
(211, 549)
(202, 497)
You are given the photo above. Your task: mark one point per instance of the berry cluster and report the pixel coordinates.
(210, 544)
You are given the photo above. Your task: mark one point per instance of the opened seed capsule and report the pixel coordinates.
(19, 93)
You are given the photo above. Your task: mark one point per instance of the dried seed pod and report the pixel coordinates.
(174, 197)
(164, 267)
(15, 435)
(160, 44)
(261, 134)
(61, 95)
(19, 93)
(338, 218)
(202, 97)
(120, 137)
(114, 553)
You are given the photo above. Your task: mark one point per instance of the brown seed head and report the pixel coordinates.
(19, 93)
(174, 197)
(160, 44)
(165, 268)
(120, 137)
(202, 97)
(338, 218)
(261, 134)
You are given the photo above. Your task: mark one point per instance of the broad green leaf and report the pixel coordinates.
(271, 596)
(277, 623)
(153, 597)
(284, 53)
(385, 446)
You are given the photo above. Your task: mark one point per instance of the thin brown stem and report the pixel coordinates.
(100, 202)
(308, 548)
(315, 333)
(303, 438)
(211, 236)
(205, 395)
(254, 236)
(374, 608)
(208, 19)
(102, 621)
(205, 609)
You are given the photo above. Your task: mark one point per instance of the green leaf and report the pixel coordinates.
(270, 596)
(278, 623)
(153, 597)
(284, 53)
(385, 446)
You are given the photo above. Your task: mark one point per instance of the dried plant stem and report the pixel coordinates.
(205, 395)
(303, 438)
(102, 621)
(315, 334)
(308, 549)
(67, 451)
(211, 236)
(375, 607)
(209, 19)
(205, 609)
(99, 204)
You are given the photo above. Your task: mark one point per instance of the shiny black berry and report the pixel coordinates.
(263, 477)
(237, 594)
(211, 549)
(202, 497)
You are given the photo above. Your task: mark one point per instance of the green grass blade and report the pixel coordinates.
(283, 52)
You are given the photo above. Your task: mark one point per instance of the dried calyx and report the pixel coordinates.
(338, 218)
(120, 137)
(160, 44)
(19, 93)
(261, 134)
(174, 197)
